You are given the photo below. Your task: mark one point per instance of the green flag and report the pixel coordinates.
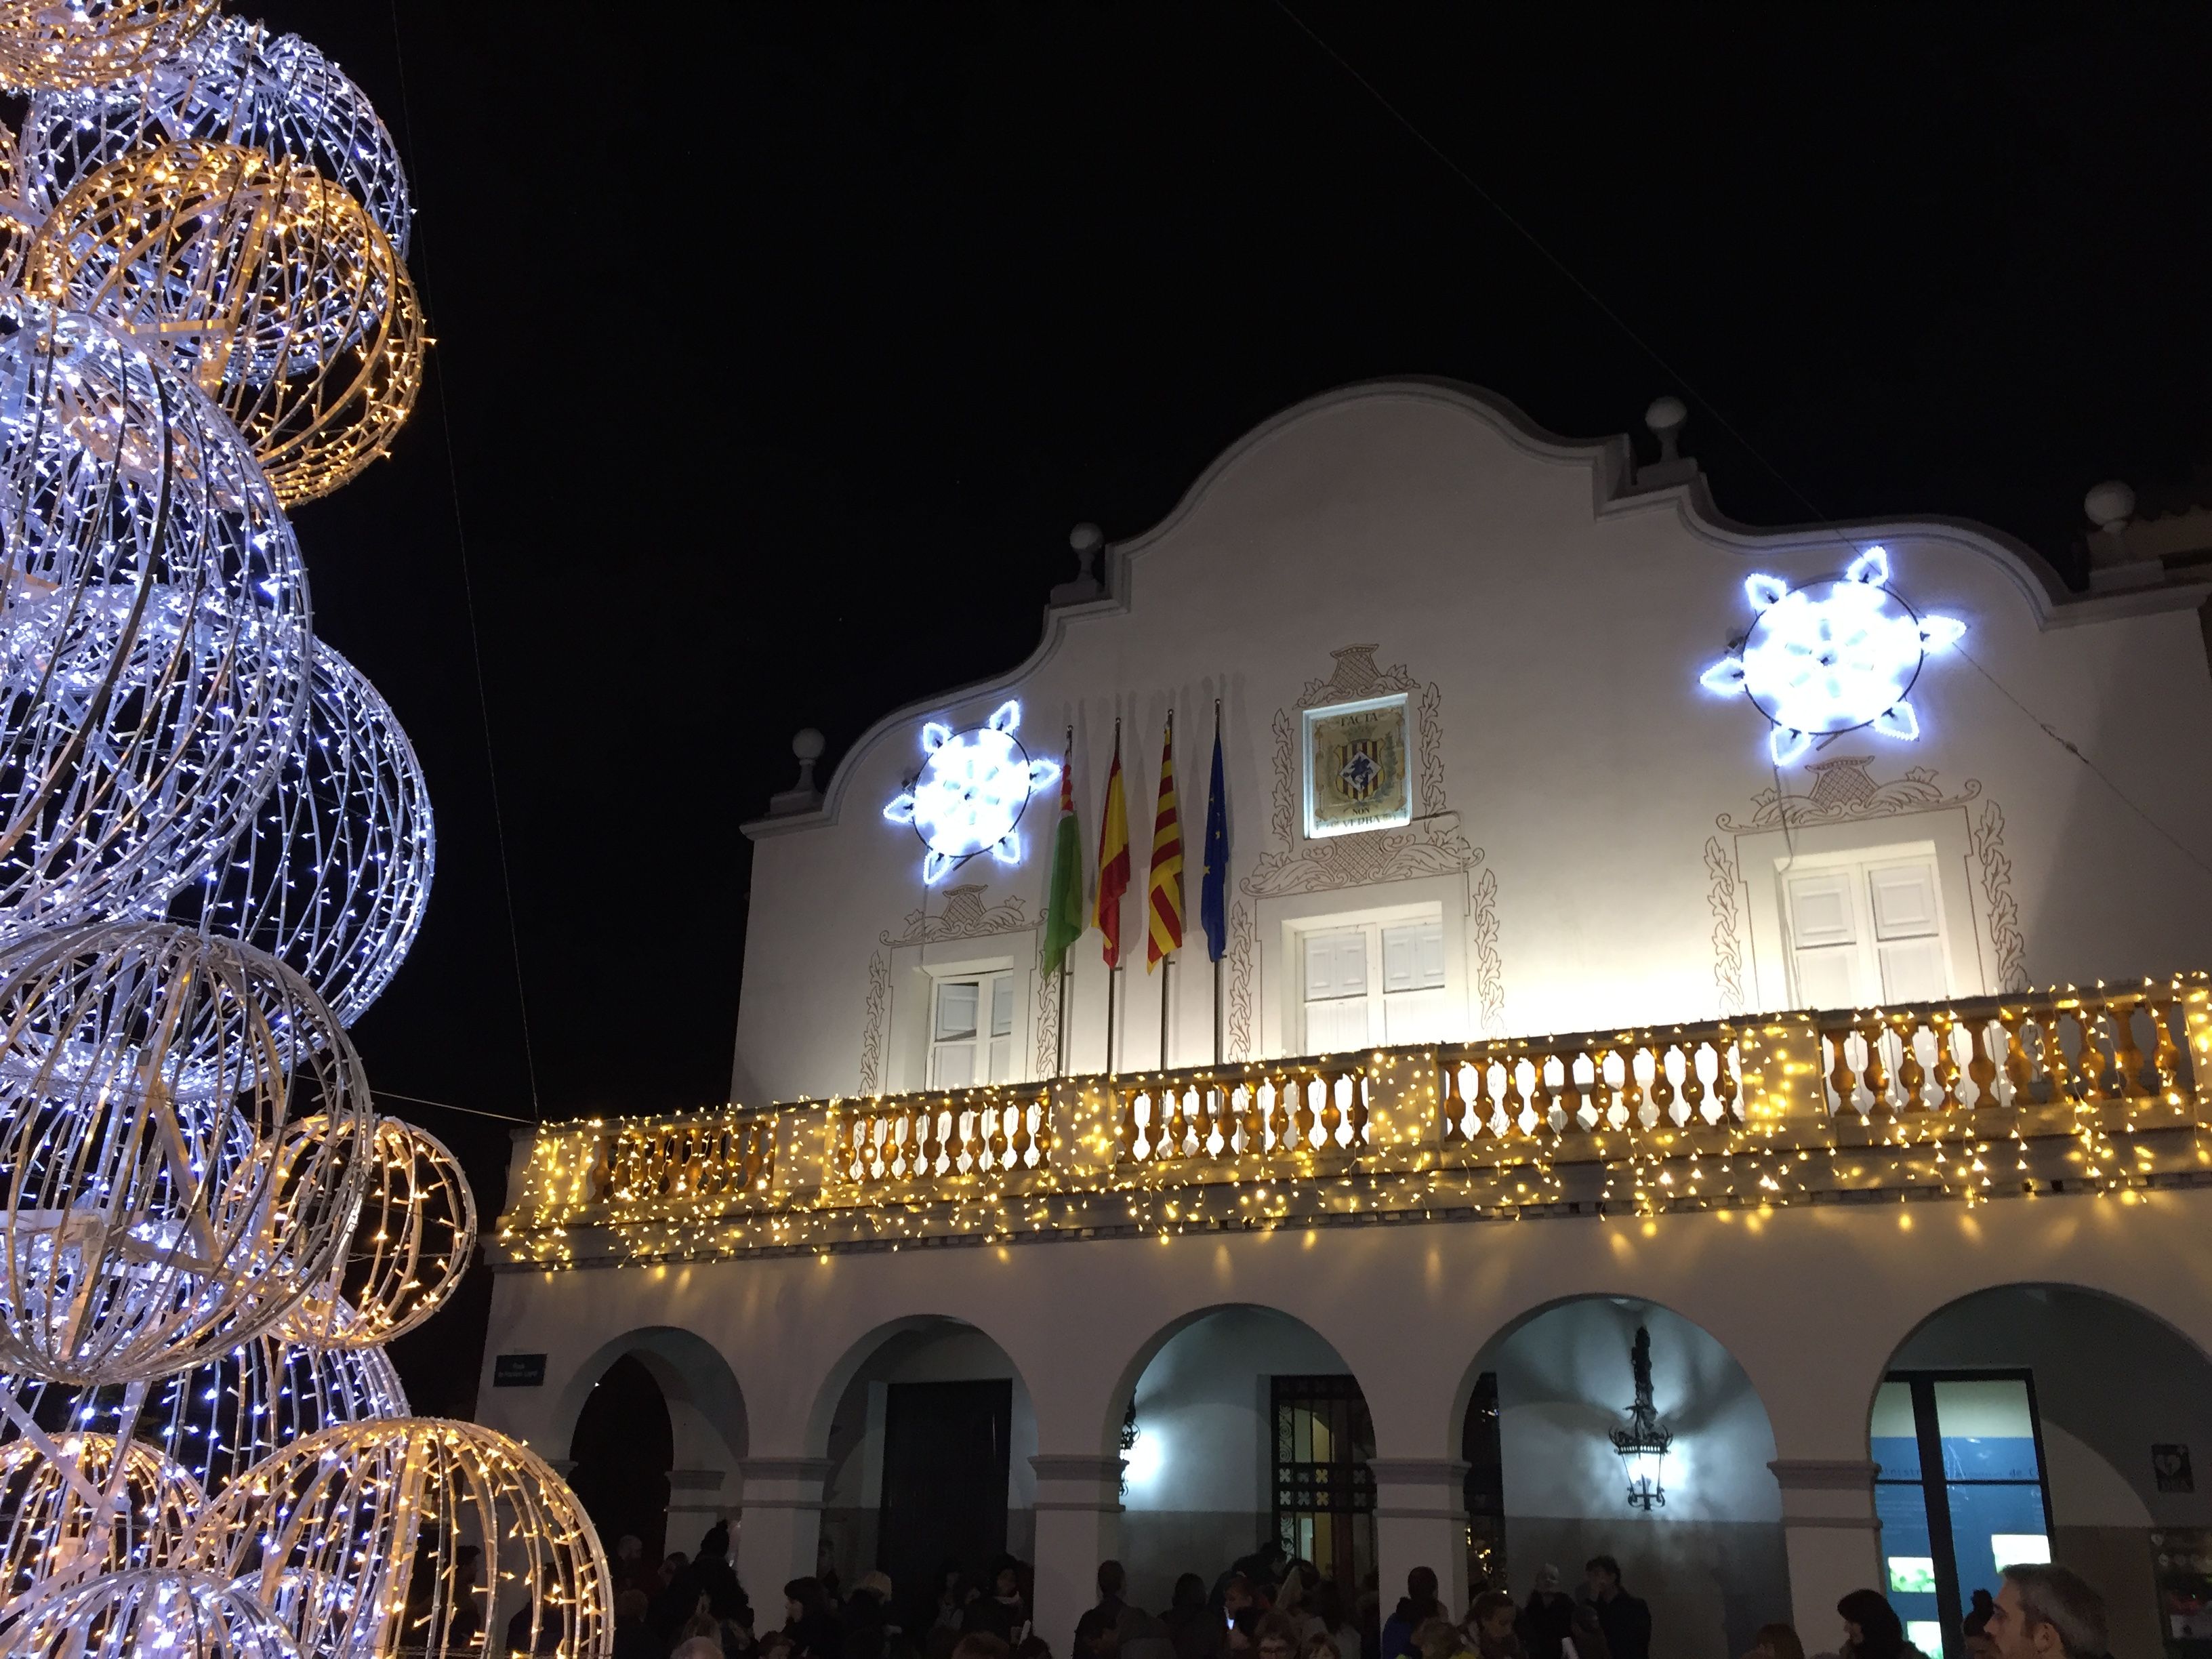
(1063, 914)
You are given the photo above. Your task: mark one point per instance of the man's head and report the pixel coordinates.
(1276, 1638)
(630, 1548)
(1097, 1636)
(1547, 1580)
(1236, 1595)
(1603, 1574)
(1493, 1615)
(1112, 1580)
(1421, 1585)
(981, 1644)
(2047, 1613)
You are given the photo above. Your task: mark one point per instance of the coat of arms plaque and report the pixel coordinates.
(1356, 767)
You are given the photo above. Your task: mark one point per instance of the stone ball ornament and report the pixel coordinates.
(148, 1614)
(154, 633)
(332, 875)
(234, 83)
(412, 1242)
(1831, 657)
(155, 1212)
(971, 791)
(88, 43)
(267, 283)
(223, 1415)
(66, 1513)
(353, 1537)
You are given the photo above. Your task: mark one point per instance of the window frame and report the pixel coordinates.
(988, 982)
(1372, 924)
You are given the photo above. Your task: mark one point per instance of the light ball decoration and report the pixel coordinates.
(332, 875)
(148, 1611)
(88, 43)
(156, 1215)
(353, 1537)
(971, 791)
(224, 1415)
(417, 1232)
(66, 1512)
(272, 285)
(237, 84)
(1831, 657)
(153, 626)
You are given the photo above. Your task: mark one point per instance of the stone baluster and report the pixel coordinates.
(1631, 1087)
(1332, 1116)
(1255, 1139)
(1875, 1073)
(2054, 1057)
(1511, 1101)
(2121, 1010)
(1947, 1061)
(2019, 1065)
(1981, 1070)
(1911, 1075)
(2166, 1056)
(1020, 1144)
(1727, 1088)
(1280, 1120)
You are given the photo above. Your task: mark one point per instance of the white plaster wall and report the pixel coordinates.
(1565, 636)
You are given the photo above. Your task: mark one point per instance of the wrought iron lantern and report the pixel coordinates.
(1643, 1441)
(1128, 1443)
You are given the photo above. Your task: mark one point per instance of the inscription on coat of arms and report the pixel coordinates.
(1357, 775)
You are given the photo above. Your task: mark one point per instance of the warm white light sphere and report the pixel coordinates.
(150, 1614)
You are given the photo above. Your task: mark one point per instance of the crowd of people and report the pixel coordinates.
(1267, 1605)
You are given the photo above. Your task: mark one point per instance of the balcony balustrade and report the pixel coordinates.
(1494, 1123)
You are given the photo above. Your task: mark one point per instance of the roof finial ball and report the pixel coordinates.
(2110, 505)
(1665, 419)
(802, 796)
(806, 745)
(1087, 539)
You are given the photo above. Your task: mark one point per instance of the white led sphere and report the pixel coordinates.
(155, 1212)
(90, 43)
(149, 1614)
(332, 875)
(971, 791)
(154, 638)
(1831, 656)
(352, 1537)
(57, 1516)
(224, 1415)
(238, 84)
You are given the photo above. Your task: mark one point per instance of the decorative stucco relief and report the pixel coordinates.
(965, 914)
(1844, 792)
(1430, 846)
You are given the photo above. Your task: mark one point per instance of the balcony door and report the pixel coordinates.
(1866, 933)
(1372, 985)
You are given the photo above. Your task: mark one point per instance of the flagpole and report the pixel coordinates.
(1224, 879)
(1112, 972)
(1066, 761)
(1112, 968)
(1167, 961)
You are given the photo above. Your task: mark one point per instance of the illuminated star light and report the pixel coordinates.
(971, 791)
(1832, 657)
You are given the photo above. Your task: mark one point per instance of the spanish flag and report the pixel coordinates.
(1113, 860)
(1163, 893)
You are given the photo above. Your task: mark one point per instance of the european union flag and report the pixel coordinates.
(1213, 896)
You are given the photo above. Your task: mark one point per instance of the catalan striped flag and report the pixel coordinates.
(1112, 859)
(1164, 891)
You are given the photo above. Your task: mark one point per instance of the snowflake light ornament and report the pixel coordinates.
(971, 791)
(1831, 657)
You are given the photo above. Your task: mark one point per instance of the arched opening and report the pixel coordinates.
(929, 1445)
(658, 1432)
(1557, 1476)
(2043, 1422)
(1244, 1431)
(623, 1449)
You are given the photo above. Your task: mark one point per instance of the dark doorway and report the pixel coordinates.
(625, 1448)
(1324, 1489)
(945, 1477)
(1484, 1452)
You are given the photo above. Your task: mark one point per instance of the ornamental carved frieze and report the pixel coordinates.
(1431, 845)
(1844, 791)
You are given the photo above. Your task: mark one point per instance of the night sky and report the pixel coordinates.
(778, 348)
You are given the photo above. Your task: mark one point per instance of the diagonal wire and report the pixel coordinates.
(1712, 411)
(468, 603)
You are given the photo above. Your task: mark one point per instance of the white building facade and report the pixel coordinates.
(1341, 1244)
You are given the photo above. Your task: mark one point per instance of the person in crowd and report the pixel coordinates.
(1096, 1635)
(1277, 1636)
(1547, 1618)
(1439, 1638)
(1004, 1612)
(1320, 1647)
(870, 1632)
(825, 1566)
(1872, 1629)
(2047, 1613)
(1033, 1647)
(1625, 1619)
(1260, 1568)
(951, 1606)
(1294, 1597)
(633, 1635)
(697, 1647)
(1416, 1609)
(811, 1622)
(1236, 1597)
(1368, 1614)
(1775, 1642)
(538, 1626)
(1195, 1630)
(1327, 1604)
(627, 1568)
(981, 1644)
(1978, 1614)
(1490, 1624)
(1586, 1636)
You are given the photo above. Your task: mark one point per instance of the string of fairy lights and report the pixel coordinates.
(215, 849)
(2074, 1090)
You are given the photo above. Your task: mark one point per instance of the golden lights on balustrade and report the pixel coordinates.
(88, 43)
(271, 285)
(1757, 1131)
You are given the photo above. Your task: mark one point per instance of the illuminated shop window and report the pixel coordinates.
(1962, 1495)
